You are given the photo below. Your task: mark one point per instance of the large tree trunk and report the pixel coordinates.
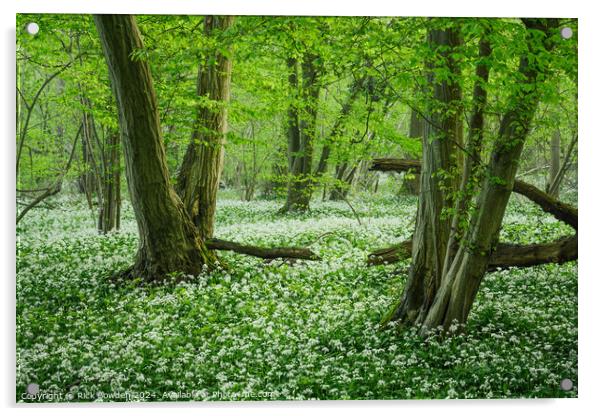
(438, 155)
(461, 282)
(301, 133)
(445, 276)
(169, 242)
(199, 175)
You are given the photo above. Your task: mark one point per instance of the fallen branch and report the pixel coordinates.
(300, 253)
(516, 255)
(504, 257)
(561, 211)
(395, 165)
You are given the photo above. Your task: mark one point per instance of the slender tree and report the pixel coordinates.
(199, 175)
(411, 181)
(554, 163)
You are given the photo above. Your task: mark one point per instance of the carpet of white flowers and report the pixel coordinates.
(279, 331)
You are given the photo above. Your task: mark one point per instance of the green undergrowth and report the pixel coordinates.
(280, 331)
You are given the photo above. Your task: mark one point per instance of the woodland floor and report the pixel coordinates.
(278, 331)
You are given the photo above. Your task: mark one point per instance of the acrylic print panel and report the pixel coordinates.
(291, 208)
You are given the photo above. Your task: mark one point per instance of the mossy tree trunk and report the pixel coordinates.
(438, 155)
(456, 296)
(199, 175)
(443, 282)
(169, 242)
(302, 115)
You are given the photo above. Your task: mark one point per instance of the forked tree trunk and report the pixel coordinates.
(438, 155)
(169, 242)
(458, 290)
(199, 175)
(302, 116)
(472, 163)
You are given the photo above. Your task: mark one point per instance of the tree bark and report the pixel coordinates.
(411, 181)
(110, 213)
(300, 253)
(460, 284)
(301, 132)
(438, 155)
(169, 242)
(199, 175)
(396, 165)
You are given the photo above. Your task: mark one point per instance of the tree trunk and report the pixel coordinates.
(411, 181)
(337, 129)
(169, 242)
(301, 133)
(110, 213)
(344, 177)
(472, 162)
(87, 182)
(438, 155)
(555, 185)
(459, 286)
(199, 175)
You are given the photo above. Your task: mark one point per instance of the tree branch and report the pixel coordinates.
(300, 253)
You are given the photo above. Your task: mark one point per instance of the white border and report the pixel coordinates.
(590, 203)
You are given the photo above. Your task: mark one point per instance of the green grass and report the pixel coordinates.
(278, 331)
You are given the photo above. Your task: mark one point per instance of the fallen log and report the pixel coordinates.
(505, 256)
(300, 253)
(395, 165)
(516, 255)
(561, 211)
(391, 254)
